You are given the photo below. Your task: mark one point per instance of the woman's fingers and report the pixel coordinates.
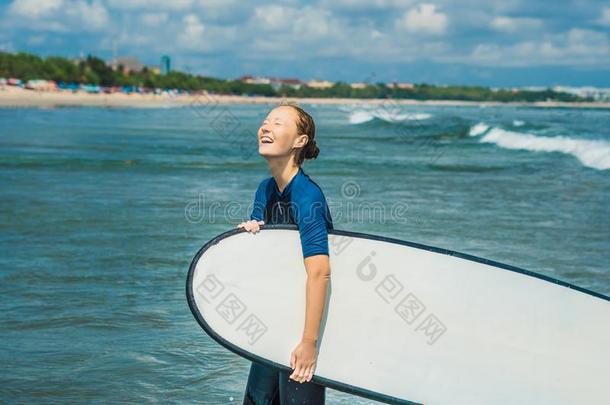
(310, 374)
(257, 225)
(310, 371)
(306, 371)
(251, 226)
(297, 372)
(301, 373)
(293, 360)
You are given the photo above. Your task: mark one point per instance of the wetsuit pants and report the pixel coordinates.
(271, 386)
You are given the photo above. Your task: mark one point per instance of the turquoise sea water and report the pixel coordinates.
(102, 211)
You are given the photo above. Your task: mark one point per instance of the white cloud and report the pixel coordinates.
(7, 46)
(194, 28)
(312, 23)
(285, 33)
(154, 19)
(150, 4)
(367, 4)
(93, 16)
(58, 15)
(305, 25)
(605, 17)
(34, 9)
(192, 34)
(225, 11)
(37, 40)
(274, 17)
(587, 39)
(424, 19)
(512, 25)
(575, 47)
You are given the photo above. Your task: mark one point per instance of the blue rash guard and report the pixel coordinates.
(301, 203)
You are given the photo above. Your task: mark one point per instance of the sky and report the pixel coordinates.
(500, 43)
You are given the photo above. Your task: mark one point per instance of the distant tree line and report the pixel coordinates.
(431, 92)
(93, 70)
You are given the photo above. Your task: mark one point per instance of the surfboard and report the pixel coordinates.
(406, 323)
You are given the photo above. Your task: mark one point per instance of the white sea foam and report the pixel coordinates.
(146, 358)
(479, 129)
(518, 123)
(362, 116)
(591, 153)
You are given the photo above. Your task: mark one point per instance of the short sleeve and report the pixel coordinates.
(260, 200)
(312, 218)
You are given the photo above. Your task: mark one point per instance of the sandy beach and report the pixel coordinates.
(16, 97)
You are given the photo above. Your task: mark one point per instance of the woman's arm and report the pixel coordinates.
(303, 358)
(318, 275)
(310, 210)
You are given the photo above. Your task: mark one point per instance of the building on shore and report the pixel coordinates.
(320, 84)
(402, 86)
(358, 85)
(596, 93)
(127, 64)
(165, 65)
(530, 88)
(13, 81)
(130, 64)
(41, 85)
(254, 80)
(274, 82)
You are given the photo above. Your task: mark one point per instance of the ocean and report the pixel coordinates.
(103, 209)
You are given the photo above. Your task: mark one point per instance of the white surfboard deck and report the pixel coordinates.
(407, 323)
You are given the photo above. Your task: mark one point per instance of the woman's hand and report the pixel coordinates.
(251, 226)
(303, 360)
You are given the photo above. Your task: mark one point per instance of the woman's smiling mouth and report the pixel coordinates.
(266, 139)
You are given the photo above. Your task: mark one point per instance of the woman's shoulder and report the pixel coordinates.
(308, 189)
(310, 202)
(263, 186)
(264, 182)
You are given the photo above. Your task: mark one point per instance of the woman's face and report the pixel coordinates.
(278, 134)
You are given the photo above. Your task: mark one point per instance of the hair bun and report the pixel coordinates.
(312, 150)
(305, 126)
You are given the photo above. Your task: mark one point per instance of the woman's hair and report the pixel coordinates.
(305, 125)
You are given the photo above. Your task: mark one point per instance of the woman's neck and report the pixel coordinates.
(282, 170)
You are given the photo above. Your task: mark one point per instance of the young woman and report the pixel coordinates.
(285, 139)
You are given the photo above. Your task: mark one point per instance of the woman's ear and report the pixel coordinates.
(301, 141)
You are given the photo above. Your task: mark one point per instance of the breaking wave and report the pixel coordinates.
(362, 116)
(591, 153)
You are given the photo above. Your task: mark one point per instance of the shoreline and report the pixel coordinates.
(14, 97)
